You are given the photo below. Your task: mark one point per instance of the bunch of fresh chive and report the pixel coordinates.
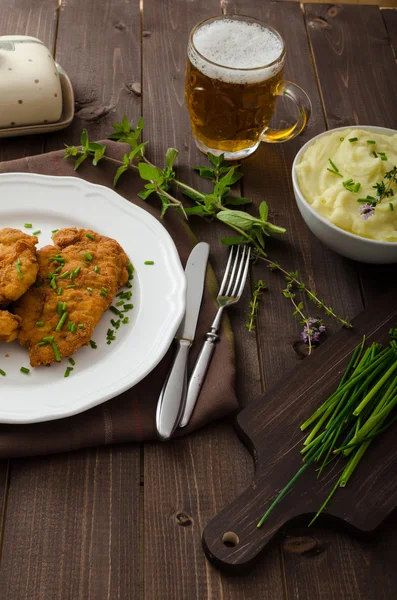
(362, 407)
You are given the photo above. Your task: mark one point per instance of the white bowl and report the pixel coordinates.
(345, 243)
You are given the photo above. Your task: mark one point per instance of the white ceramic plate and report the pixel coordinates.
(158, 297)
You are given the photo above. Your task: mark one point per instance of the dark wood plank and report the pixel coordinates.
(188, 480)
(38, 19)
(102, 58)
(72, 531)
(390, 19)
(361, 86)
(95, 534)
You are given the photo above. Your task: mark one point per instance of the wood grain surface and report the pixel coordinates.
(95, 533)
(390, 19)
(127, 522)
(270, 426)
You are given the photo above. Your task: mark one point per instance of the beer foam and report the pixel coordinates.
(236, 44)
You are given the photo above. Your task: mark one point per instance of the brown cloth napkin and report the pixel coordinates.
(130, 416)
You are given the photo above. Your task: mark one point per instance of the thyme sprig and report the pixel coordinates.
(259, 288)
(219, 204)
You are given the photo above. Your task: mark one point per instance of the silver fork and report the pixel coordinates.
(232, 286)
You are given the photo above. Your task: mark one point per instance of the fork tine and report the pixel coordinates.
(236, 261)
(225, 277)
(245, 273)
(240, 268)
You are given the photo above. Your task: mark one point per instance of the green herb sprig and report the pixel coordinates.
(219, 204)
(254, 304)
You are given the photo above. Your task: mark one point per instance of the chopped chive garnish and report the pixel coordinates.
(56, 352)
(61, 322)
(119, 295)
(89, 289)
(40, 324)
(59, 309)
(73, 328)
(371, 142)
(87, 256)
(114, 310)
(68, 371)
(126, 320)
(64, 306)
(391, 207)
(330, 170)
(90, 237)
(48, 338)
(103, 293)
(117, 323)
(109, 332)
(77, 271)
(113, 322)
(58, 269)
(36, 232)
(28, 225)
(68, 287)
(54, 230)
(85, 262)
(353, 139)
(93, 344)
(24, 369)
(53, 283)
(383, 157)
(72, 274)
(80, 325)
(374, 154)
(357, 187)
(333, 165)
(149, 262)
(3, 373)
(18, 268)
(348, 181)
(120, 303)
(59, 291)
(128, 284)
(104, 289)
(128, 306)
(96, 269)
(130, 270)
(65, 274)
(42, 344)
(341, 139)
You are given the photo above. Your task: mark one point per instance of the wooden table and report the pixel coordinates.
(125, 522)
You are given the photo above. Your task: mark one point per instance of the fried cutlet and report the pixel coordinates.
(18, 263)
(89, 269)
(9, 325)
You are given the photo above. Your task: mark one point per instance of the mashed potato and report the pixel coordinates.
(325, 191)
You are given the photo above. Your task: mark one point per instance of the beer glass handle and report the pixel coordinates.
(302, 101)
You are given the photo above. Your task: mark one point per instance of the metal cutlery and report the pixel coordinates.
(173, 394)
(229, 293)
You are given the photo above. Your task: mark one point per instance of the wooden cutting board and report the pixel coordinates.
(269, 427)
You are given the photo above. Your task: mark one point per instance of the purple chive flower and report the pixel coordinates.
(367, 210)
(312, 331)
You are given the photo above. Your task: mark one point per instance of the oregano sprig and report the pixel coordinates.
(219, 204)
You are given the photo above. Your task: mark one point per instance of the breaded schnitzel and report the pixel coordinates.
(18, 263)
(78, 279)
(9, 325)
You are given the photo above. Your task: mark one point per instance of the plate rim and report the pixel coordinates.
(178, 312)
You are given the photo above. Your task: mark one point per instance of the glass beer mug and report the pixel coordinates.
(234, 74)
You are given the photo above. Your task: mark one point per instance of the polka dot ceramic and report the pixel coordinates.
(30, 88)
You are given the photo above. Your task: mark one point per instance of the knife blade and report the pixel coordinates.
(172, 397)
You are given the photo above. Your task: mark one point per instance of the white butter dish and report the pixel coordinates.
(65, 119)
(33, 88)
(30, 90)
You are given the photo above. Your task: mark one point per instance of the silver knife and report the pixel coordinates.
(172, 398)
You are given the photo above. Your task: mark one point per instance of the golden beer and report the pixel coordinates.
(233, 77)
